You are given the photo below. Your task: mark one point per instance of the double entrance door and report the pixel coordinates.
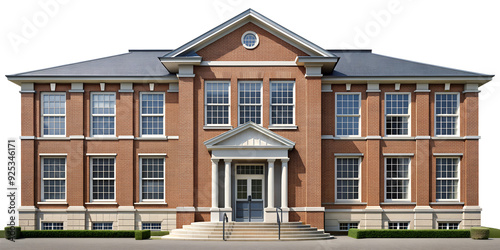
(249, 192)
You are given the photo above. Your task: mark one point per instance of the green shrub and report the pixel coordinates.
(159, 233)
(142, 234)
(7, 233)
(392, 233)
(479, 233)
(494, 233)
(78, 233)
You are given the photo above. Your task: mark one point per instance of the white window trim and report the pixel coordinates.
(43, 222)
(140, 178)
(349, 225)
(457, 115)
(458, 174)
(152, 115)
(448, 225)
(385, 180)
(65, 179)
(256, 40)
(91, 178)
(42, 116)
(151, 222)
(397, 115)
(247, 177)
(261, 101)
(229, 104)
(284, 126)
(360, 159)
(337, 115)
(103, 115)
(399, 225)
(102, 222)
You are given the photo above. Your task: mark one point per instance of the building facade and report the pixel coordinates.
(243, 119)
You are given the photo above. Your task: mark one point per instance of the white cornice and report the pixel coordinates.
(248, 63)
(408, 79)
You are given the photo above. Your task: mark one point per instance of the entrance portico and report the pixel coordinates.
(255, 163)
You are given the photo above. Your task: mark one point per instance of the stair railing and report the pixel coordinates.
(224, 220)
(279, 219)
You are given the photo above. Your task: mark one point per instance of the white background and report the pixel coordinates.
(456, 34)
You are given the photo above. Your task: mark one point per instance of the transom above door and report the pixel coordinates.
(249, 182)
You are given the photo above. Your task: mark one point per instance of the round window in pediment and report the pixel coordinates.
(250, 40)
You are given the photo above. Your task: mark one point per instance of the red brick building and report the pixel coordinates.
(336, 138)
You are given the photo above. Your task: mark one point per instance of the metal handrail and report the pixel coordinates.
(224, 220)
(280, 220)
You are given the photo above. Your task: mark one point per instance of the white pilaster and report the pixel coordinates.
(270, 183)
(215, 183)
(227, 183)
(284, 183)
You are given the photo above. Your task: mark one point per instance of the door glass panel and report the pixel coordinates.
(241, 189)
(256, 189)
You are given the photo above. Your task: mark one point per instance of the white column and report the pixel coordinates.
(215, 183)
(270, 183)
(227, 183)
(284, 183)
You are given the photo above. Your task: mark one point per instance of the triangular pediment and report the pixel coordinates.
(249, 135)
(240, 20)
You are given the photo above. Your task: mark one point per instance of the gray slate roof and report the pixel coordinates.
(145, 63)
(364, 63)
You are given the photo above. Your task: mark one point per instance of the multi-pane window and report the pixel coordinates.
(153, 178)
(347, 174)
(152, 113)
(153, 226)
(256, 189)
(447, 114)
(102, 226)
(447, 178)
(53, 114)
(103, 178)
(347, 226)
(397, 114)
(348, 114)
(217, 104)
(397, 178)
(282, 103)
(52, 226)
(250, 169)
(103, 114)
(241, 189)
(53, 179)
(448, 225)
(250, 102)
(398, 225)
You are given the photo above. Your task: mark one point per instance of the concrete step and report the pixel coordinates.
(246, 231)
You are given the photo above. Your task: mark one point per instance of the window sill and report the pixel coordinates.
(52, 203)
(218, 127)
(102, 138)
(398, 203)
(276, 127)
(152, 138)
(447, 203)
(150, 203)
(53, 138)
(398, 138)
(101, 203)
(346, 203)
(447, 138)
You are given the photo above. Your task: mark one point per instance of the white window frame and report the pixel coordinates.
(261, 101)
(458, 179)
(256, 40)
(140, 176)
(43, 115)
(44, 179)
(448, 225)
(52, 226)
(151, 115)
(151, 222)
(398, 223)
(409, 180)
(229, 104)
(447, 115)
(397, 115)
(91, 178)
(348, 225)
(102, 115)
(337, 115)
(102, 222)
(293, 125)
(359, 181)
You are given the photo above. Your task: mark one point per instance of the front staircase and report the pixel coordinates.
(249, 231)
